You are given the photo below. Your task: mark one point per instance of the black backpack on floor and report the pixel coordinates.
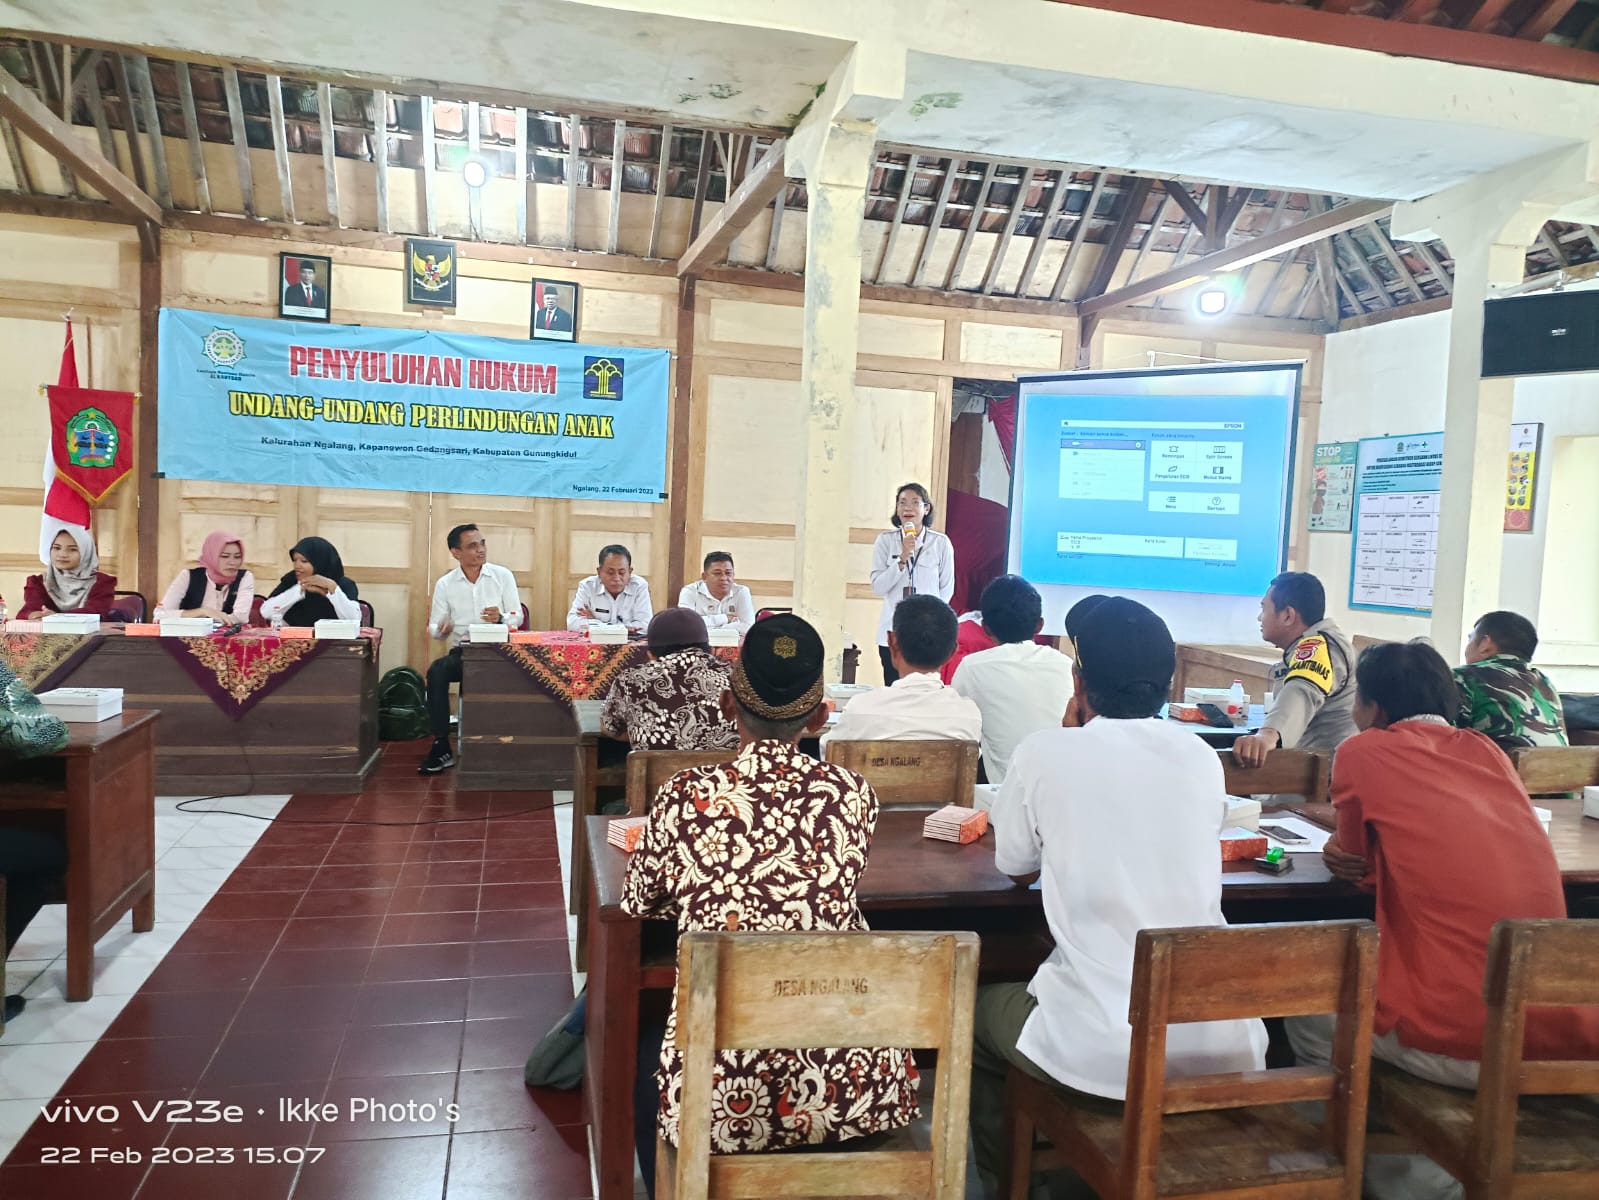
(402, 705)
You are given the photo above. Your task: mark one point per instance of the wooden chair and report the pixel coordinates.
(1226, 1134)
(934, 772)
(1306, 773)
(904, 989)
(647, 770)
(1496, 1143)
(1556, 770)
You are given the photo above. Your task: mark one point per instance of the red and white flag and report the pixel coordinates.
(62, 505)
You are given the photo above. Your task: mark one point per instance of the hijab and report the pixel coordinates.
(324, 560)
(69, 589)
(211, 554)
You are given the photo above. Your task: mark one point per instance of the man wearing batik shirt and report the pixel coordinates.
(773, 840)
(1501, 693)
(674, 701)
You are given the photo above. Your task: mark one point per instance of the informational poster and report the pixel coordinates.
(1332, 487)
(1521, 483)
(1397, 482)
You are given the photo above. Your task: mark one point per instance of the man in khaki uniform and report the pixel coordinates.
(1314, 684)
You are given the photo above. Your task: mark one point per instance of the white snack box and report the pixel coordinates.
(1545, 815)
(336, 630)
(984, 795)
(186, 627)
(726, 635)
(1590, 802)
(83, 704)
(608, 635)
(71, 623)
(484, 634)
(1242, 813)
(842, 693)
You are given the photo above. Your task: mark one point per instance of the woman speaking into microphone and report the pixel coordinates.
(909, 560)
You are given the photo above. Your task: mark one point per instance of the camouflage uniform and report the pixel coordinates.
(1314, 690)
(1511, 701)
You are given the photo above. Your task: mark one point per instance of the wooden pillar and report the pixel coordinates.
(149, 485)
(836, 196)
(681, 481)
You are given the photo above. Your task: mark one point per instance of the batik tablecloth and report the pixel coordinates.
(570, 667)
(44, 660)
(239, 670)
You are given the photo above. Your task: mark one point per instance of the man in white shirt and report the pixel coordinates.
(612, 596)
(1020, 686)
(476, 592)
(1120, 815)
(718, 597)
(919, 704)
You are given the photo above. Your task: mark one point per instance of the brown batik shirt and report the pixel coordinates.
(773, 840)
(671, 703)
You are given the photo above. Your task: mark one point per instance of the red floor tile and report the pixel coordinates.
(388, 1106)
(500, 1042)
(425, 929)
(332, 933)
(261, 1123)
(411, 1003)
(520, 958)
(341, 878)
(124, 1130)
(304, 968)
(206, 972)
(521, 870)
(303, 1059)
(269, 879)
(362, 902)
(498, 1099)
(166, 1065)
(363, 853)
(206, 936)
(541, 998)
(400, 1050)
(391, 964)
(523, 895)
(440, 899)
(35, 1182)
(549, 1163)
(251, 906)
(239, 1180)
(307, 855)
(270, 1010)
(390, 1169)
(521, 924)
(176, 1014)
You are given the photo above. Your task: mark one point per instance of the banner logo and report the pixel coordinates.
(602, 378)
(92, 439)
(224, 347)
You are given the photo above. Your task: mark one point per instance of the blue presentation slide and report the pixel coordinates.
(1169, 493)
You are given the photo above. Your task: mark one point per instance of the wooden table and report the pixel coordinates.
(910, 882)
(103, 785)
(318, 732)
(1218, 666)
(513, 733)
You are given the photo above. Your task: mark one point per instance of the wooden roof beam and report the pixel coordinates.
(1541, 23)
(760, 188)
(27, 112)
(1186, 201)
(1302, 233)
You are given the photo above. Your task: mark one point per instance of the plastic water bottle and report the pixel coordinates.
(3, 613)
(1237, 701)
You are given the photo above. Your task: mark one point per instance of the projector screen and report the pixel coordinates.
(1172, 479)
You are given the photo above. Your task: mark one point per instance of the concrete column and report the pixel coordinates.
(836, 179)
(1487, 223)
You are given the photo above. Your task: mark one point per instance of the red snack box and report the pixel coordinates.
(1242, 844)
(625, 833)
(133, 629)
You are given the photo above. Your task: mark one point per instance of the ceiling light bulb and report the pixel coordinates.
(475, 173)
(1212, 301)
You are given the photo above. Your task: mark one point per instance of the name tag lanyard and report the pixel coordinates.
(909, 589)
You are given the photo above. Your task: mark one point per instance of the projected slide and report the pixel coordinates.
(1171, 492)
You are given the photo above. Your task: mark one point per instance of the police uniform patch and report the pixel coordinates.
(1312, 662)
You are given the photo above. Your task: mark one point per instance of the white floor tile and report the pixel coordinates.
(185, 858)
(37, 1072)
(56, 1019)
(16, 1116)
(199, 882)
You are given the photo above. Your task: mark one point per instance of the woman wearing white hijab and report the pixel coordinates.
(71, 581)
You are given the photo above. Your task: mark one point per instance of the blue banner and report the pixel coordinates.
(254, 401)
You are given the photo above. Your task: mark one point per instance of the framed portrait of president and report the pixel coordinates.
(305, 287)
(554, 310)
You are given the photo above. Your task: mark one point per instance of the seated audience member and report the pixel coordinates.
(612, 596)
(1435, 820)
(477, 592)
(1072, 798)
(71, 580)
(1019, 685)
(774, 840)
(32, 864)
(919, 704)
(1313, 685)
(970, 637)
(674, 701)
(719, 598)
(219, 588)
(1501, 693)
(315, 590)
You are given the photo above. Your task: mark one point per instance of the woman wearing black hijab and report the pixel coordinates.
(316, 589)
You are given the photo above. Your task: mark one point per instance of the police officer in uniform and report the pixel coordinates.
(1314, 685)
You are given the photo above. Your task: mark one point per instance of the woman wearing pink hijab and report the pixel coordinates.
(219, 588)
